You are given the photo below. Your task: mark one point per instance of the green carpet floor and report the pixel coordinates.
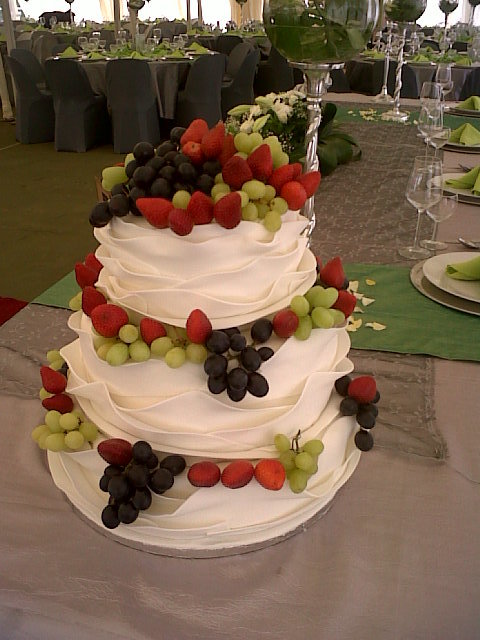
(45, 199)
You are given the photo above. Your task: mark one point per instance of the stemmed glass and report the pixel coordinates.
(439, 212)
(443, 77)
(430, 124)
(82, 42)
(424, 189)
(431, 95)
(53, 21)
(439, 138)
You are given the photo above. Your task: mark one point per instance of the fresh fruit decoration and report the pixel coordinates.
(65, 428)
(132, 474)
(202, 175)
(360, 398)
(299, 462)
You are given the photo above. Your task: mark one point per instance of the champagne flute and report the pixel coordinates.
(443, 76)
(431, 95)
(439, 212)
(439, 138)
(424, 189)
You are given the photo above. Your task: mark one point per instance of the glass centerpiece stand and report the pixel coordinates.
(473, 4)
(318, 36)
(447, 7)
(404, 13)
(384, 97)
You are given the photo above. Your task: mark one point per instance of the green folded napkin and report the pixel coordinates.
(472, 103)
(465, 134)
(198, 48)
(470, 180)
(468, 270)
(175, 54)
(420, 57)
(69, 52)
(95, 55)
(464, 61)
(136, 55)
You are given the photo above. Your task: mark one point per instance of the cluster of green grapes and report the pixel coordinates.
(299, 462)
(174, 348)
(64, 431)
(314, 310)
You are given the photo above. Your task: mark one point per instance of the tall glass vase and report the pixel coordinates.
(318, 36)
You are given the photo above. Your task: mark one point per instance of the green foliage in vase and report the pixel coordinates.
(405, 10)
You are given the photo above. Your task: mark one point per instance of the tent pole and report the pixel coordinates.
(116, 16)
(189, 17)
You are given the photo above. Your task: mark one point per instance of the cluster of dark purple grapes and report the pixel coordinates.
(155, 173)
(130, 487)
(365, 413)
(229, 344)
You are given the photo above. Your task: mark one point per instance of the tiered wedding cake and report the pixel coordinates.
(237, 278)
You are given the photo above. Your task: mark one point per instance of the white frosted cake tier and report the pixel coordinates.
(213, 521)
(233, 275)
(174, 411)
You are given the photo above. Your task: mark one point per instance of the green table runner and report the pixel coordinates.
(414, 323)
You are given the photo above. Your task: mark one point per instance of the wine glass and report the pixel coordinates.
(430, 123)
(431, 95)
(53, 21)
(443, 77)
(424, 189)
(157, 34)
(439, 212)
(439, 138)
(82, 41)
(41, 21)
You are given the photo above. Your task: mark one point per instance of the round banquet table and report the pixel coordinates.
(396, 557)
(362, 79)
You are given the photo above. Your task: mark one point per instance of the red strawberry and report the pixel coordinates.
(203, 474)
(200, 207)
(309, 182)
(59, 402)
(199, 327)
(53, 381)
(93, 262)
(237, 474)
(261, 163)
(281, 176)
(115, 451)
(363, 389)
(212, 141)
(91, 298)
(285, 323)
(195, 131)
(180, 222)
(155, 210)
(151, 329)
(332, 273)
(297, 169)
(193, 150)
(228, 149)
(236, 171)
(270, 474)
(84, 275)
(345, 302)
(108, 319)
(228, 210)
(294, 194)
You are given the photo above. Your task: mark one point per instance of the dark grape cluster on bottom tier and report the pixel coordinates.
(130, 486)
(360, 401)
(227, 345)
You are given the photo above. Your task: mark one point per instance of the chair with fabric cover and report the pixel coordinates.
(81, 116)
(471, 86)
(340, 82)
(201, 99)
(31, 63)
(274, 75)
(459, 46)
(133, 102)
(239, 90)
(225, 43)
(43, 46)
(35, 116)
(433, 44)
(235, 59)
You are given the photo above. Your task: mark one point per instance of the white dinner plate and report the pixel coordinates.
(464, 195)
(471, 113)
(434, 271)
(429, 290)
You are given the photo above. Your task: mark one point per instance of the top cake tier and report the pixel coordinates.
(234, 276)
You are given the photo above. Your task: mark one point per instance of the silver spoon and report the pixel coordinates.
(471, 244)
